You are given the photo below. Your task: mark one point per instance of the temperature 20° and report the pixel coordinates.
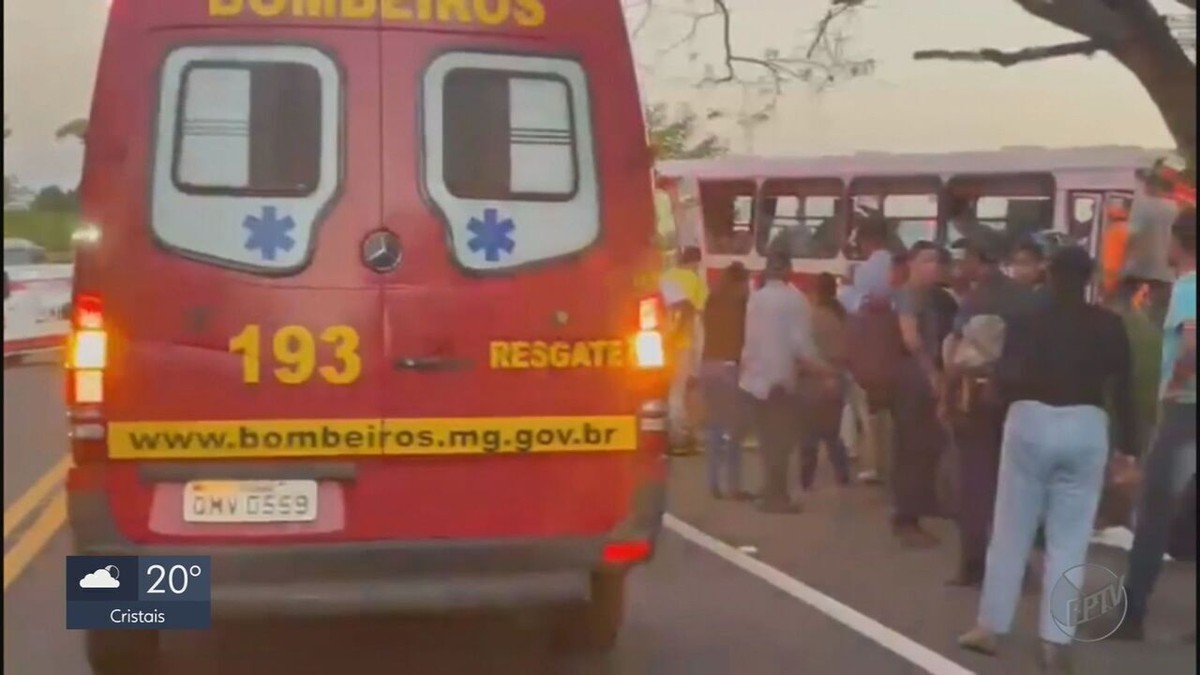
(177, 578)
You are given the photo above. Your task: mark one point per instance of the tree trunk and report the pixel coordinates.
(1169, 77)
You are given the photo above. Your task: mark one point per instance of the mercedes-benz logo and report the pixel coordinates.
(381, 251)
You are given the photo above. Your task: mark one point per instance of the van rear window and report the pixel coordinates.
(247, 153)
(251, 128)
(508, 136)
(509, 158)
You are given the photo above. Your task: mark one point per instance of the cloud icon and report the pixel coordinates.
(101, 578)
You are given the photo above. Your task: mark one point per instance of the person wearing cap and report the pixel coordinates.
(968, 405)
(684, 293)
(1058, 362)
(1171, 461)
(778, 344)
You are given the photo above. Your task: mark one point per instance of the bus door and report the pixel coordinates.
(908, 204)
(1099, 221)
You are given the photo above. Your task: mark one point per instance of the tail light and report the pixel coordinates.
(86, 359)
(623, 553)
(648, 348)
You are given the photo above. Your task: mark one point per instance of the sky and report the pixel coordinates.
(51, 48)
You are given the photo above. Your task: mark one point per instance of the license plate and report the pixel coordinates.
(250, 501)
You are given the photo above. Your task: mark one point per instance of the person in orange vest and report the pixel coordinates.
(1114, 245)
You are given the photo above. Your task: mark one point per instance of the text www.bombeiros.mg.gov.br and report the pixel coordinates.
(132, 440)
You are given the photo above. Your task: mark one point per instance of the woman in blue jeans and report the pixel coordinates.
(724, 332)
(1057, 363)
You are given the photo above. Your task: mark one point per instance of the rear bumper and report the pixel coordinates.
(313, 580)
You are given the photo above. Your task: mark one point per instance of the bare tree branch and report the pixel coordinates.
(1097, 19)
(647, 7)
(1006, 59)
(819, 60)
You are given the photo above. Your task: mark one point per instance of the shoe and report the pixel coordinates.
(1056, 659)
(742, 496)
(869, 478)
(979, 640)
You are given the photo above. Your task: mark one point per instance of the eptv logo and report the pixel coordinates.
(1089, 594)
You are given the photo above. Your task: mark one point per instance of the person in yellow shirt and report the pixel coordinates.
(684, 294)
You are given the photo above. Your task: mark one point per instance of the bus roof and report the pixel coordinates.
(1004, 161)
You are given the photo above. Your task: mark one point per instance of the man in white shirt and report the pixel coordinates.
(778, 343)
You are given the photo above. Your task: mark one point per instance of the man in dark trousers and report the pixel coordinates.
(919, 440)
(778, 345)
(1171, 462)
(970, 407)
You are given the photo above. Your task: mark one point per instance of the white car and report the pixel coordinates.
(37, 300)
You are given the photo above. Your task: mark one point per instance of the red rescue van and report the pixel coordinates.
(366, 320)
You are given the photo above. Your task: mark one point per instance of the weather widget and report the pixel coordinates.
(139, 593)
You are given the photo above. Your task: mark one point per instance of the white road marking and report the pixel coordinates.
(916, 654)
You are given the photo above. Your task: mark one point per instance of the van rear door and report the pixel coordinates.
(242, 321)
(508, 399)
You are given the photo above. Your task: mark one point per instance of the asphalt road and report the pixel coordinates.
(821, 592)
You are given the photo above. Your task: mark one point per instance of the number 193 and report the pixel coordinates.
(294, 354)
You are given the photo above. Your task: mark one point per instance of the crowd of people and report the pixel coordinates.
(995, 356)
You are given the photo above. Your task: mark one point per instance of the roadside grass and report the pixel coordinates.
(50, 230)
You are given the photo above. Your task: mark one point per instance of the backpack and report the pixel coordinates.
(874, 348)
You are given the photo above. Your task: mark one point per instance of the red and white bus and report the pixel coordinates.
(733, 207)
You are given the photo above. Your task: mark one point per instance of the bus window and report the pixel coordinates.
(728, 211)
(909, 206)
(1083, 217)
(807, 213)
(1015, 206)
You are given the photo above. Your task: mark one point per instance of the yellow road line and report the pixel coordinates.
(39, 534)
(25, 504)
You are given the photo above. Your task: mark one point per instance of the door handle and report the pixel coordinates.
(431, 363)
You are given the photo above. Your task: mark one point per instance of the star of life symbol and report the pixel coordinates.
(269, 233)
(492, 235)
